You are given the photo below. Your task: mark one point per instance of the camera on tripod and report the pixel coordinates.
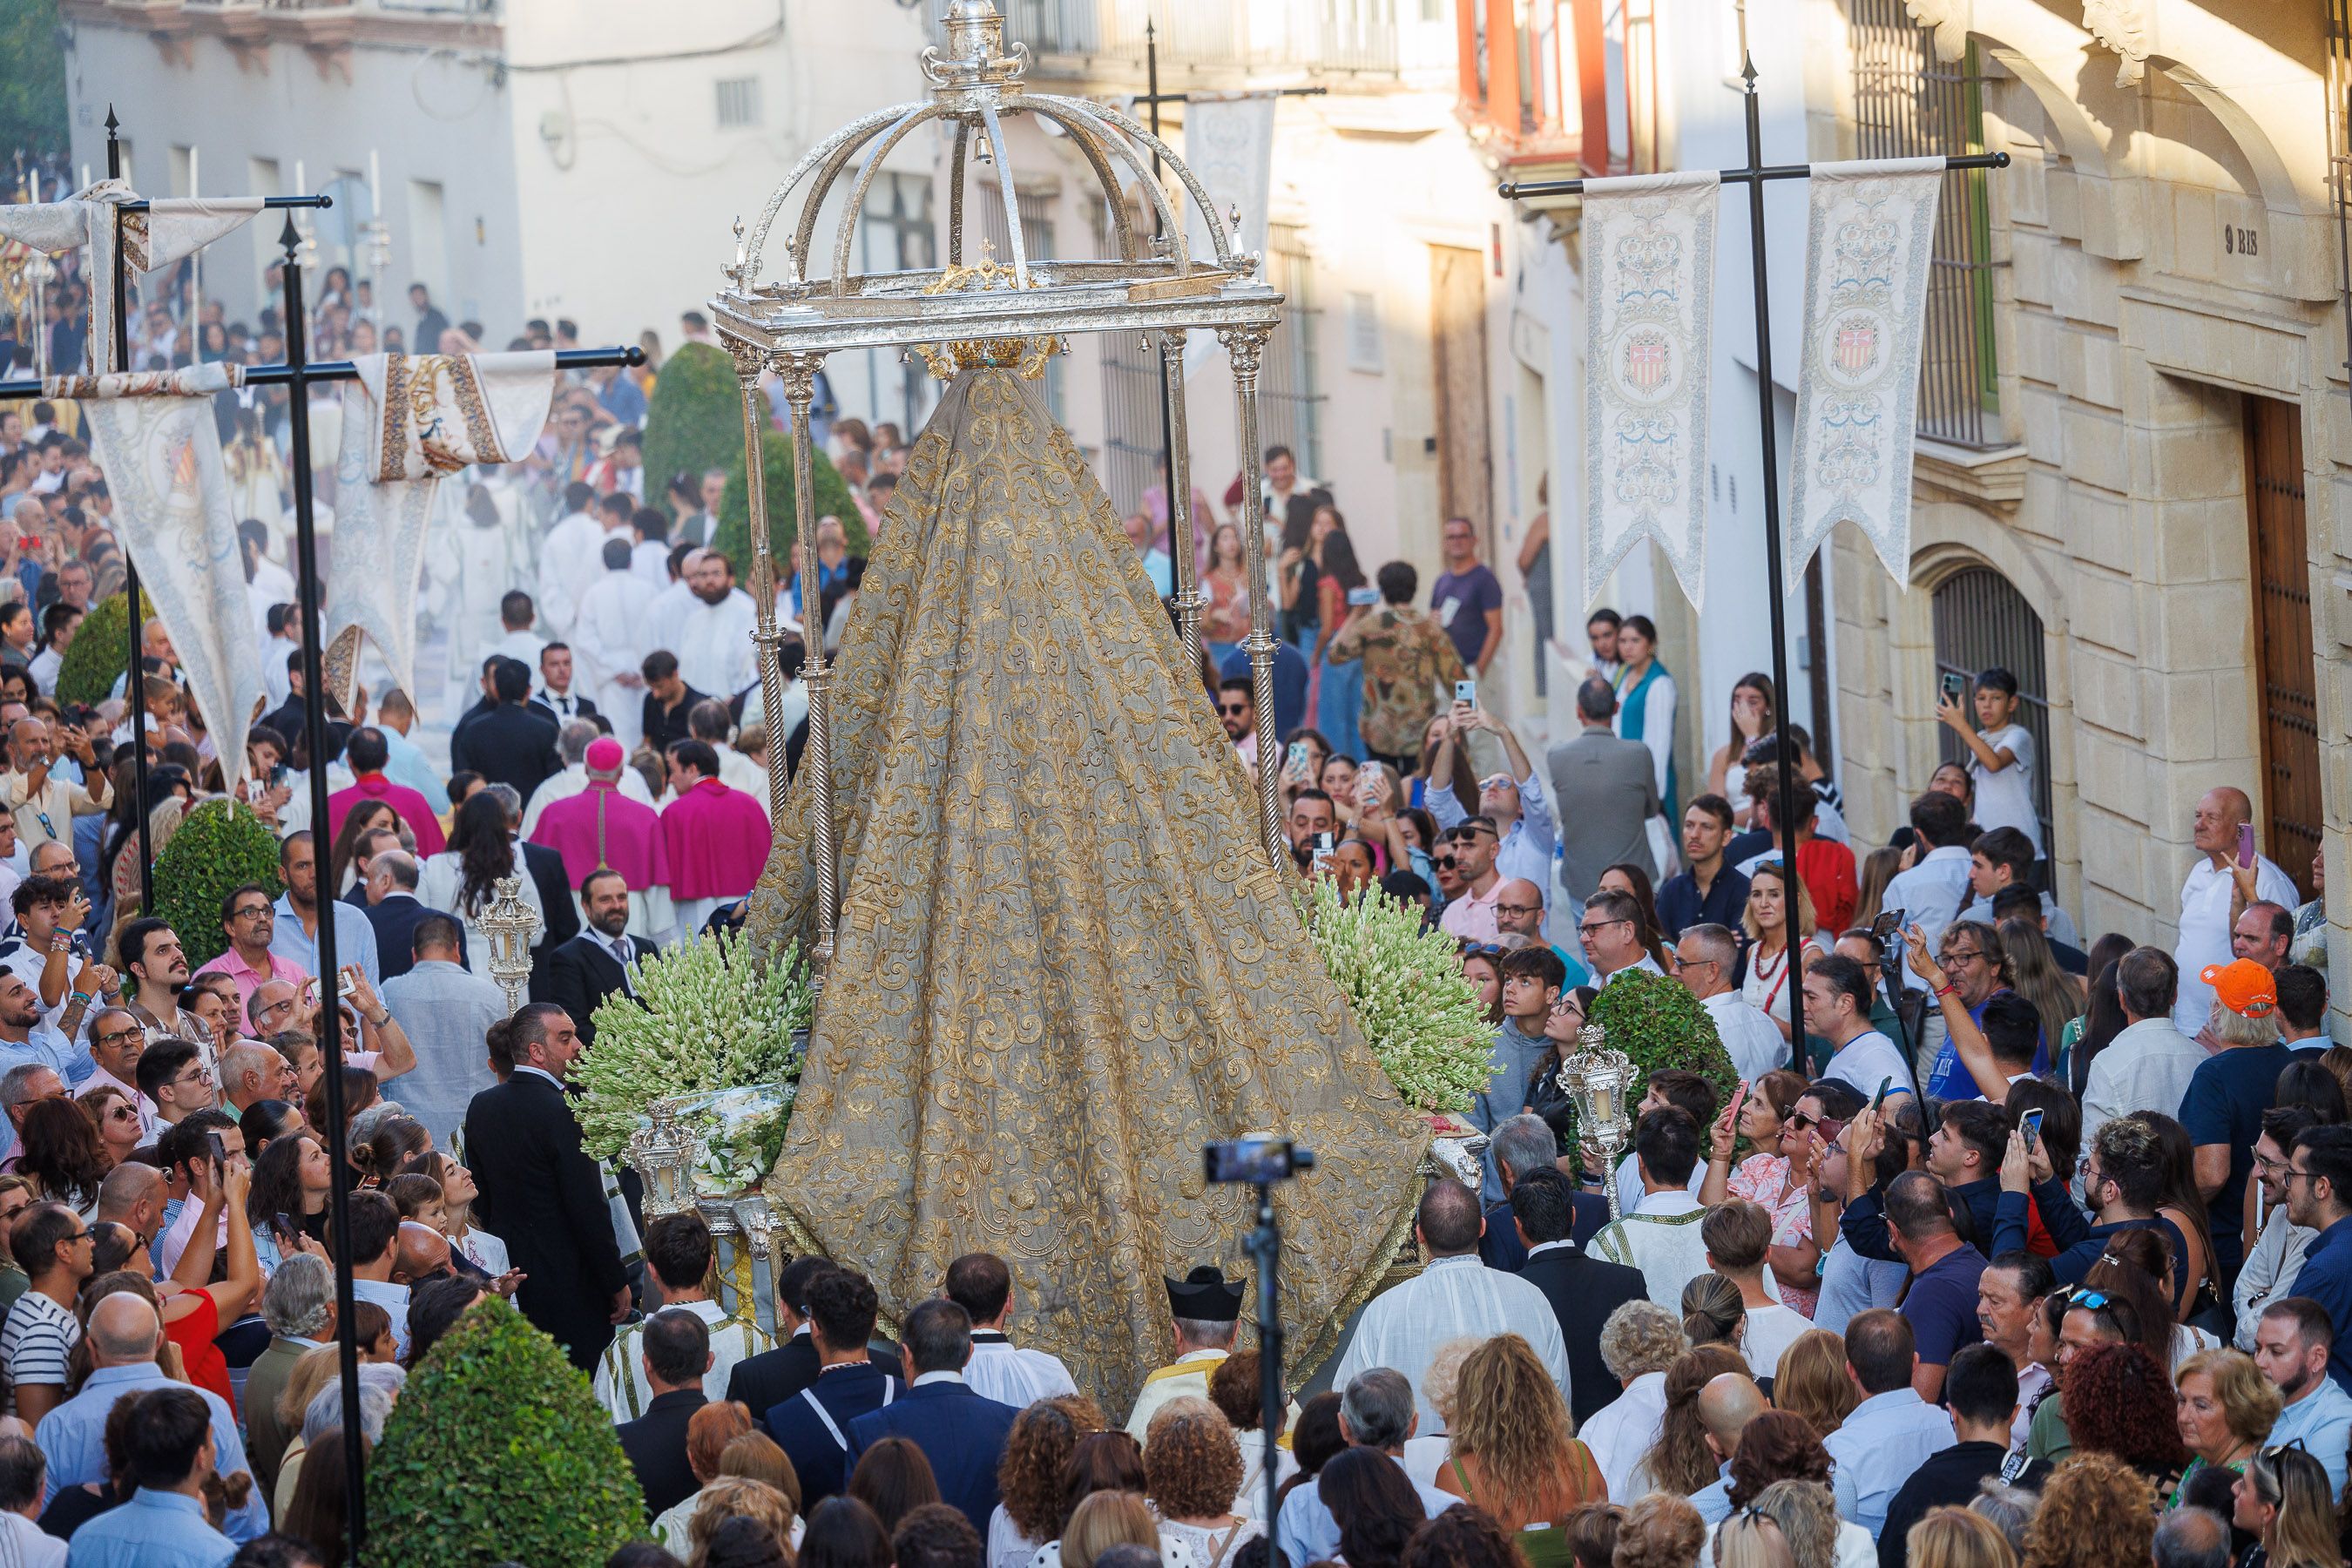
(1259, 1162)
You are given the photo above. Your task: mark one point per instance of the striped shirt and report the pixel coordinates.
(34, 1344)
(620, 1386)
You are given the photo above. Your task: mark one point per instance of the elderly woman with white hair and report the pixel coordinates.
(380, 1386)
(1638, 1343)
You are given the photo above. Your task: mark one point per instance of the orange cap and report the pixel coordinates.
(2244, 986)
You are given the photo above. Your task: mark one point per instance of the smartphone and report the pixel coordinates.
(1294, 757)
(1956, 685)
(1466, 691)
(1323, 842)
(1878, 1100)
(2245, 846)
(1889, 923)
(219, 1149)
(283, 1224)
(2030, 1125)
(1362, 596)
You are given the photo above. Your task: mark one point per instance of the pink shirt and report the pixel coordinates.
(249, 979)
(1471, 918)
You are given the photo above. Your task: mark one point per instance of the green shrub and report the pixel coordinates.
(100, 652)
(694, 420)
(498, 1452)
(832, 498)
(221, 845)
(1656, 1023)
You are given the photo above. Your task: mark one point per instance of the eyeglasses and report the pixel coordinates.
(121, 1037)
(1519, 911)
(2291, 1175)
(1445, 862)
(250, 911)
(1960, 958)
(1592, 926)
(196, 1073)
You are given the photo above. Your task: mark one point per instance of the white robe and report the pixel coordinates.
(714, 647)
(571, 557)
(667, 610)
(610, 638)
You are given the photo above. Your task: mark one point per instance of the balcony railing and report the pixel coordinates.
(1316, 36)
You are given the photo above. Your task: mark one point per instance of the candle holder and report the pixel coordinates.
(662, 1154)
(1601, 1081)
(508, 922)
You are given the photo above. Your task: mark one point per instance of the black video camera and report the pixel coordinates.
(1255, 1161)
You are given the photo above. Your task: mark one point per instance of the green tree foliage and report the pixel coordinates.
(498, 1453)
(1655, 1022)
(221, 845)
(694, 420)
(33, 87)
(100, 653)
(832, 498)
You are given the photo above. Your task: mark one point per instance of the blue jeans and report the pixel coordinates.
(1341, 707)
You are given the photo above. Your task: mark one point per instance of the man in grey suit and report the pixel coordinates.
(1603, 789)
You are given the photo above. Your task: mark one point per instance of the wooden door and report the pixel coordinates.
(2288, 694)
(1457, 303)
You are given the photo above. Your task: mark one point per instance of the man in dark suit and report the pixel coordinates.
(960, 1432)
(762, 1382)
(583, 972)
(511, 743)
(1522, 1145)
(676, 1351)
(471, 716)
(556, 697)
(539, 1190)
(1582, 1291)
(393, 910)
(813, 1425)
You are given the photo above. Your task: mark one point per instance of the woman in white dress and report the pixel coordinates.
(1770, 974)
(1191, 1468)
(463, 878)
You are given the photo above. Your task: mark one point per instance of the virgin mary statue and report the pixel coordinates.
(1063, 963)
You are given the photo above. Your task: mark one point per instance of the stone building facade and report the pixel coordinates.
(2149, 524)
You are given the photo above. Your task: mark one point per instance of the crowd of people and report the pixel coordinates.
(2018, 1252)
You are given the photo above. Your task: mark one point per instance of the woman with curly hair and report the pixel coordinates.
(1955, 1538)
(1811, 1382)
(1376, 1506)
(1029, 1476)
(2122, 1403)
(1462, 1538)
(1192, 1468)
(1662, 1530)
(2283, 1499)
(1235, 1388)
(736, 1496)
(1638, 1343)
(2096, 1513)
(1515, 1454)
(61, 1153)
(1680, 1460)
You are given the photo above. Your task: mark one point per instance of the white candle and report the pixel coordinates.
(375, 186)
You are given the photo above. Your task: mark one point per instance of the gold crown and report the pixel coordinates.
(1025, 356)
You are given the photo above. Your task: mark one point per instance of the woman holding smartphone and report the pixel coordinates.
(1344, 595)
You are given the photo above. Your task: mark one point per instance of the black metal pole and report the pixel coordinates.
(331, 1034)
(1167, 411)
(1266, 1248)
(1786, 817)
(134, 675)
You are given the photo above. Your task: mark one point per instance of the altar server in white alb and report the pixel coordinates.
(981, 1284)
(713, 638)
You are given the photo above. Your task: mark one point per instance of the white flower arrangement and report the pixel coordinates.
(738, 1133)
(1416, 1009)
(706, 1015)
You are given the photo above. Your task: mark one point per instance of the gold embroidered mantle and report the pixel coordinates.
(1061, 966)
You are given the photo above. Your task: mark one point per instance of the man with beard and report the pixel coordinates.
(2292, 1347)
(592, 966)
(153, 957)
(1237, 712)
(714, 647)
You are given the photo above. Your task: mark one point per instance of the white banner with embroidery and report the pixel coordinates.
(1869, 250)
(1229, 147)
(408, 420)
(1649, 249)
(154, 436)
(165, 232)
